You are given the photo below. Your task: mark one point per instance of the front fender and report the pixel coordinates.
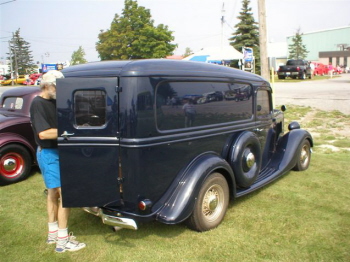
(286, 154)
(179, 204)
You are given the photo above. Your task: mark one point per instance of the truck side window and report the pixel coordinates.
(193, 104)
(90, 108)
(263, 108)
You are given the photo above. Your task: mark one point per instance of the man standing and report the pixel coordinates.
(44, 123)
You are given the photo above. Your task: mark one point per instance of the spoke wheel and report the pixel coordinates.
(211, 204)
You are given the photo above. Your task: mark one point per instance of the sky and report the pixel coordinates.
(55, 29)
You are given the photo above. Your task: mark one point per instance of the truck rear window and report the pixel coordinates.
(90, 108)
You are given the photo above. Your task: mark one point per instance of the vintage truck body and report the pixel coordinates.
(129, 155)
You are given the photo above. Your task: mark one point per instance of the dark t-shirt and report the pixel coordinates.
(43, 116)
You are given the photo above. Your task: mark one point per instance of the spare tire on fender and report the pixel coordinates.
(245, 158)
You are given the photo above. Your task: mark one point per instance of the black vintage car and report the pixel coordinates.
(17, 145)
(131, 156)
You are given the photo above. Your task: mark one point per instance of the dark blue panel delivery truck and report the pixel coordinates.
(166, 140)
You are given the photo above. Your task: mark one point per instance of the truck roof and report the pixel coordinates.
(156, 67)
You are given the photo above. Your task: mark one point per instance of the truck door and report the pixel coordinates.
(88, 141)
(264, 126)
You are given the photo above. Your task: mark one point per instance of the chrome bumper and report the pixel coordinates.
(112, 220)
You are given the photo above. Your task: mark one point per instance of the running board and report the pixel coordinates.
(266, 176)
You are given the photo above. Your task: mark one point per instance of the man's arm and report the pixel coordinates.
(48, 134)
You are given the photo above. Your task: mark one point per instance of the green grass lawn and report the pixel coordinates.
(303, 216)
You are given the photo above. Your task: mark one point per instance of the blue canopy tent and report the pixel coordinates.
(215, 55)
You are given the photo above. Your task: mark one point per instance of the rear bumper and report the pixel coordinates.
(288, 73)
(112, 220)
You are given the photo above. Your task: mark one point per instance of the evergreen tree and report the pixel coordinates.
(20, 55)
(78, 57)
(133, 36)
(297, 50)
(247, 33)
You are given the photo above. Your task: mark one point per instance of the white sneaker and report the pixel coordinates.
(51, 239)
(70, 244)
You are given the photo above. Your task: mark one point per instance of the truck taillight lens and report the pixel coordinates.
(298, 68)
(145, 204)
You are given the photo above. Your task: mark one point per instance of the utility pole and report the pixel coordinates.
(263, 40)
(11, 62)
(222, 30)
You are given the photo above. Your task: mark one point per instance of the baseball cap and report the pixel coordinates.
(51, 76)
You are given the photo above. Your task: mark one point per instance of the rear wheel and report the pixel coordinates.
(304, 156)
(211, 205)
(15, 164)
(281, 77)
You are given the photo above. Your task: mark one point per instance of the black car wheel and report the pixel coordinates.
(15, 164)
(211, 205)
(304, 156)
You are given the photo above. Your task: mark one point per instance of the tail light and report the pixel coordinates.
(298, 68)
(145, 204)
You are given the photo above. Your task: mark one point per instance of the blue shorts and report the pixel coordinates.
(49, 165)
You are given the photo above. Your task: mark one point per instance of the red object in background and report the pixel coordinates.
(320, 69)
(32, 79)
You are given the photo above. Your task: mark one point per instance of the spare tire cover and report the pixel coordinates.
(245, 158)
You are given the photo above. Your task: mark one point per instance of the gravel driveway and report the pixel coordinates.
(328, 94)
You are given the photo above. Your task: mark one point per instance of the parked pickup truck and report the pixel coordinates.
(295, 69)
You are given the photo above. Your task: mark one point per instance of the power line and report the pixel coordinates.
(7, 2)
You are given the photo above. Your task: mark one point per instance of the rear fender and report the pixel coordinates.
(180, 202)
(12, 138)
(286, 154)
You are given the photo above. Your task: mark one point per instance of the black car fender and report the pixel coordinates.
(184, 191)
(288, 146)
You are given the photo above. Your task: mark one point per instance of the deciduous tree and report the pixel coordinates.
(133, 35)
(188, 52)
(78, 57)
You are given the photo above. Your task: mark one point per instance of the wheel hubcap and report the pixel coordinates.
(250, 160)
(212, 202)
(11, 165)
(304, 155)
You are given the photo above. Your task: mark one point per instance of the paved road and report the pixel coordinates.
(328, 94)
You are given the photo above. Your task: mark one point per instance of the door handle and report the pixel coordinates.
(66, 134)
